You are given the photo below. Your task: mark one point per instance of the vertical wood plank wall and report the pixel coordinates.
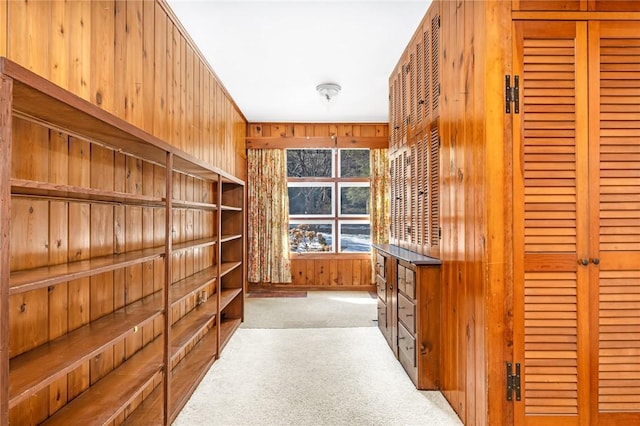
(135, 60)
(475, 202)
(475, 41)
(337, 271)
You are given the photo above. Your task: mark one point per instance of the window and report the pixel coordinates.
(329, 200)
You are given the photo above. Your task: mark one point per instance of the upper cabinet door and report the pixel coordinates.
(614, 5)
(550, 5)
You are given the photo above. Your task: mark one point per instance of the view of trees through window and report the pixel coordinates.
(329, 200)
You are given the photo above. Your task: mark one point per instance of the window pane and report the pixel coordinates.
(354, 163)
(354, 200)
(310, 200)
(355, 237)
(312, 237)
(309, 163)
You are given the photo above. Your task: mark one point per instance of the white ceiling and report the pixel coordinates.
(271, 55)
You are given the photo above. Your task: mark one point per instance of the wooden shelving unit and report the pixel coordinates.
(146, 287)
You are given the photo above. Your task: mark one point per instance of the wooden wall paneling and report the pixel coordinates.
(4, 5)
(478, 185)
(58, 249)
(119, 60)
(189, 87)
(133, 61)
(146, 84)
(448, 235)
(58, 44)
(79, 50)
(102, 64)
(184, 75)
(161, 75)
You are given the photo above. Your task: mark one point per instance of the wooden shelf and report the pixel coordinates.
(76, 130)
(227, 296)
(230, 237)
(102, 402)
(186, 376)
(149, 412)
(28, 373)
(193, 205)
(32, 279)
(227, 267)
(75, 193)
(183, 331)
(227, 328)
(192, 284)
(203, 242)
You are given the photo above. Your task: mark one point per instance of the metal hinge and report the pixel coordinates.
(439, 233)
(513, 382)
(512, 94)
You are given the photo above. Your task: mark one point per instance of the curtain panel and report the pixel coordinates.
(379, 160)
(268, 217)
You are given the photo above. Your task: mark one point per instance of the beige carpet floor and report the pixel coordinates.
(311, 376)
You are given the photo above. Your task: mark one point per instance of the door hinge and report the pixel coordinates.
(439, 233)
(512, 94)
(513, 382)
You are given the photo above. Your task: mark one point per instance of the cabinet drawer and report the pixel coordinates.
(381, 287)
(407, 313)
(410, 283)
(406, 346)
(382, 315)
(401, 278)
(381, 265)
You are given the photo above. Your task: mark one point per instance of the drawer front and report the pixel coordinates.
(381, 287)
(401, 278)
(407, 346)
(407, 313)
(410, 283)
(382, 315)
(381, 265)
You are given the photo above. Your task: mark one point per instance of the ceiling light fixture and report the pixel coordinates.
(328, 90)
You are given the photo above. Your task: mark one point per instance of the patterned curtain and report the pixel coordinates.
(268, 228)
(379, 201)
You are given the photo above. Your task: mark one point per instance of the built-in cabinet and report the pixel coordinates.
(577, 221)
(408, 288)
(414, 148)
(122, 269)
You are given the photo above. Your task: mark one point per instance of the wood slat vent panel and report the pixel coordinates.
(413, 176)
(435, 63)
(420, 76)
(413, 100)
(550, 338)
(619, 144)
(619, 346)
(434, 188)
(549, 147)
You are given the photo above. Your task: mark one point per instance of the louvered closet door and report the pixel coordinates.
(614, 57)
(551, 293)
